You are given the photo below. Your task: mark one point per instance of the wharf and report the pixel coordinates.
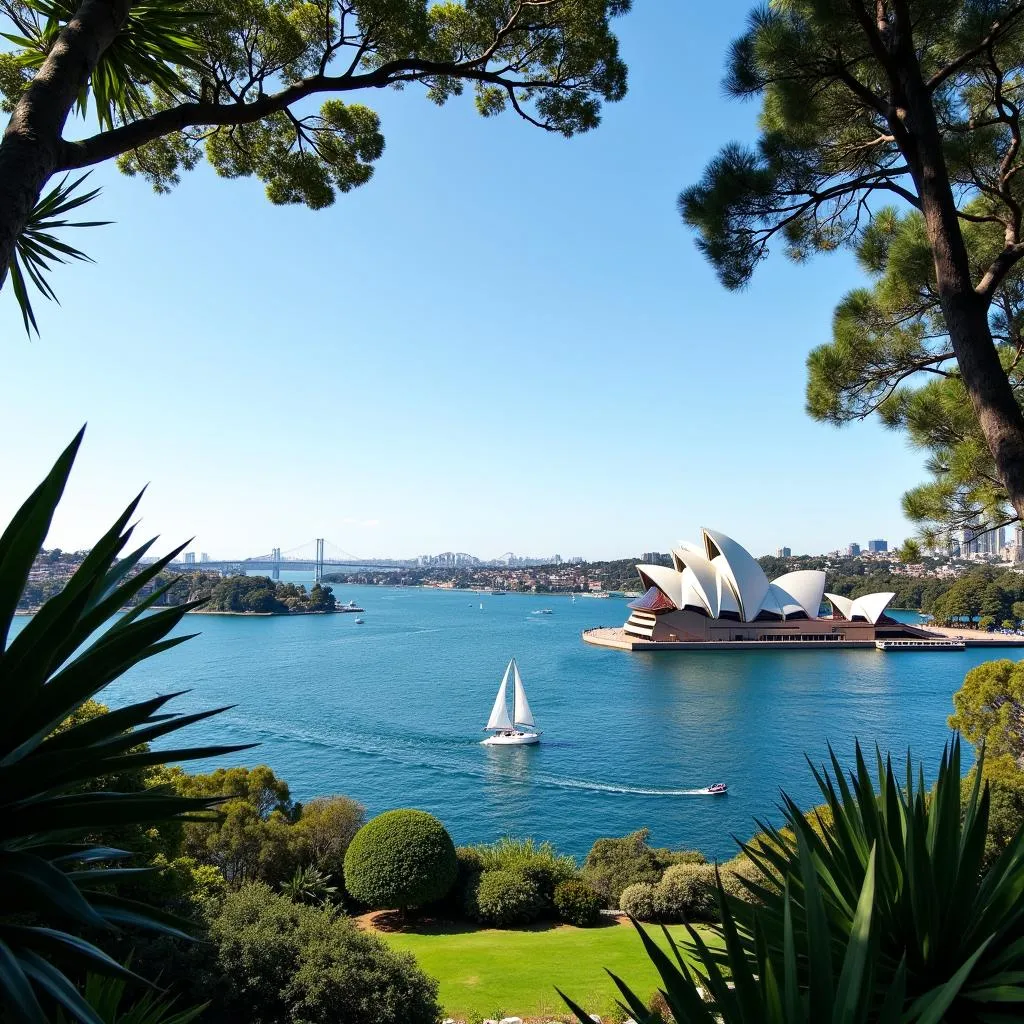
(617, 638)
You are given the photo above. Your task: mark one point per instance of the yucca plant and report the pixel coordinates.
(739, 985)
(879, 911)
(57, 878)
(309, 885)
(113, 1004)
(936, 909)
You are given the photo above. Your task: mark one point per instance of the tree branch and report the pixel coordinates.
(999, 27)
(105, 145)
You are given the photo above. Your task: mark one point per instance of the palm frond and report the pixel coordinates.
(38, 249)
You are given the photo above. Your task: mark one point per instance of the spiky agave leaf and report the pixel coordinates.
(55, 877)
(935, 908)
(38, 249)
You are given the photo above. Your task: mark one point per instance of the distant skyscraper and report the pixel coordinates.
(190, 558)
(853, 550)
(783, 552)
(877, 546)
(203, 556)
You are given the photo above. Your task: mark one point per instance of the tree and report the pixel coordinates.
(172, 82)
(249, 836)
(861, 103)
(58, 754)
(400, 859)
(324, 830)
(990, 708)
(909, 551)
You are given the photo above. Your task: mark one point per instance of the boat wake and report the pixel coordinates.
(438, 755)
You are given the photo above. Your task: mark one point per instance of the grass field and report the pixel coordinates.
(498, 973)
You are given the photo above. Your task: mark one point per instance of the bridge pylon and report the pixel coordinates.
(318, 571)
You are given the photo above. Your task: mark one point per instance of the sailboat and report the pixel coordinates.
(501, 724)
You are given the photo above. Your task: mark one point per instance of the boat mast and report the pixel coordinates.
(515, 672)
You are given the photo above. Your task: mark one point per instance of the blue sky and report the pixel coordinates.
(505, 341)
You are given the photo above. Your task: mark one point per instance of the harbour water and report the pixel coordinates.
(390, 712)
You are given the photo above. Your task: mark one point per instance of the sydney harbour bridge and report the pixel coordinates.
(317, 556)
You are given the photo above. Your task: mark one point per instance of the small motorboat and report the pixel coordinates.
(718, 788)
(359, 622)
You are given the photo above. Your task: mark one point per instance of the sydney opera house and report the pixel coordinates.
(716, 592)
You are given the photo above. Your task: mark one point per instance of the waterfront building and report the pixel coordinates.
(878, 546)
(715, 591)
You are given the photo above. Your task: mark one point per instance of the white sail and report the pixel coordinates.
(521, 714)
(499, 713)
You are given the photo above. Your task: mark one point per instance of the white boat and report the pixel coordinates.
(359, 622)
(503, 725)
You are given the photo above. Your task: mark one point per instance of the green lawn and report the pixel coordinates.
(499, 973)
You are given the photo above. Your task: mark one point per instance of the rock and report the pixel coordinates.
(511, 1020)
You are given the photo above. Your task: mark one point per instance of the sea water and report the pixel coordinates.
(390, 712)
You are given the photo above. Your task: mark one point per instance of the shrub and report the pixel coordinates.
(577, 903)
(614, 864)
(504, 898)
(637, 900)
(400, 859)
(734, 871)
(280, 961)
(686, 892)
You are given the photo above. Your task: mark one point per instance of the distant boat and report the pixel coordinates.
(717, 788)
(546, 611)
(359, 622)
(498, 593)
(504, 725)
(481, 606)
(573, 598)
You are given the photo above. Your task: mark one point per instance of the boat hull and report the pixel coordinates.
(516, 739)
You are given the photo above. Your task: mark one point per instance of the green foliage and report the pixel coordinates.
(834, 147)
(637, 900)
(323, 832)
(107, 997)
(249, 836)
(539, 863)
(1005, 783)
(280, 961)
(989, 708)
(686, 892)
(38, 249)
(504, 899)
(400, 859)
(884, 913)
(56, 881)
(577, 903)
(614, 864)
(309, 885)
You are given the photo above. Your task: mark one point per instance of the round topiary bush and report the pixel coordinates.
(686, 892)
(504, 898)
(637, 900)
(400, 859)
(577, 903)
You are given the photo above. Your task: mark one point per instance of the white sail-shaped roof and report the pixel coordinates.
(703, 577)
(775, 601)
(499, 713)
(805, 587)
(871, 606)
(521, 715)
(727, 601)
(746, 576)
(666, 579)
(843, 605)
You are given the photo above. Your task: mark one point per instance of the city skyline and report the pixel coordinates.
(434, 413)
